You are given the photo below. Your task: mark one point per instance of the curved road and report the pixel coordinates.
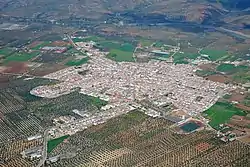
(44, 153)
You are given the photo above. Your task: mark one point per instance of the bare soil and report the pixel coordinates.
(218, 78)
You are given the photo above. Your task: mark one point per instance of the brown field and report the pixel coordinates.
(237, 97)
(218, 78)
(16, 67)
(60, 43)
(243, 107)
(245, 139)
(239, 121)
(35, 43)
(209, 66)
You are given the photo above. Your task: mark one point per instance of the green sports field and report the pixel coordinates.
(55, 142)
(119, 55)
(221, 112)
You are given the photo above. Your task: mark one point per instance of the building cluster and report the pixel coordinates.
(124, 84)
(33, 153)
(226, 136)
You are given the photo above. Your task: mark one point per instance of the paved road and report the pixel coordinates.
(44, 153)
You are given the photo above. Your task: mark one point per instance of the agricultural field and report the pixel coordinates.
(51, 58)
(134, 139)
(40, 44)
(221, 112)
(241, 77)
(5, 51)
(10, 153)
(89, 38)
(25, 115)
(118, 50)
(183, 58)
(79, 62)
(205, 73)
(145, 42)
(214, 55)
(230, 68)
(20, 57)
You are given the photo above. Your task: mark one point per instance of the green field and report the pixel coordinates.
(146, 42)
(214, 54)
(20, 57)
(204, 73)
(119, 55)
(55, 142)
(88, 39)
(221, 112)
(181, 58)
(77, 62)
(226, 68)
(158, 44)
(242, 77)
(108, 45)
(97, 101)
(5, 51)
(127, 47)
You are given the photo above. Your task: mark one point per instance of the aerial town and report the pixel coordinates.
(126, 85)
(104, 83)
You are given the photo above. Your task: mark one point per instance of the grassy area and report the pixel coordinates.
(55, 142)
(89, 38)
(146, 42)
(97, 102)
(108, 45)
(77, 62)
(119, 55)
(241, 73)
(221, 112)
(242, 77)
(5, 51)
(214, 54)
(20, 57)
(226, 68)
(158, 44)
(181, 58)
(204, 73)
(127, 47)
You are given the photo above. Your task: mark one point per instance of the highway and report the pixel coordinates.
(44, 153)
